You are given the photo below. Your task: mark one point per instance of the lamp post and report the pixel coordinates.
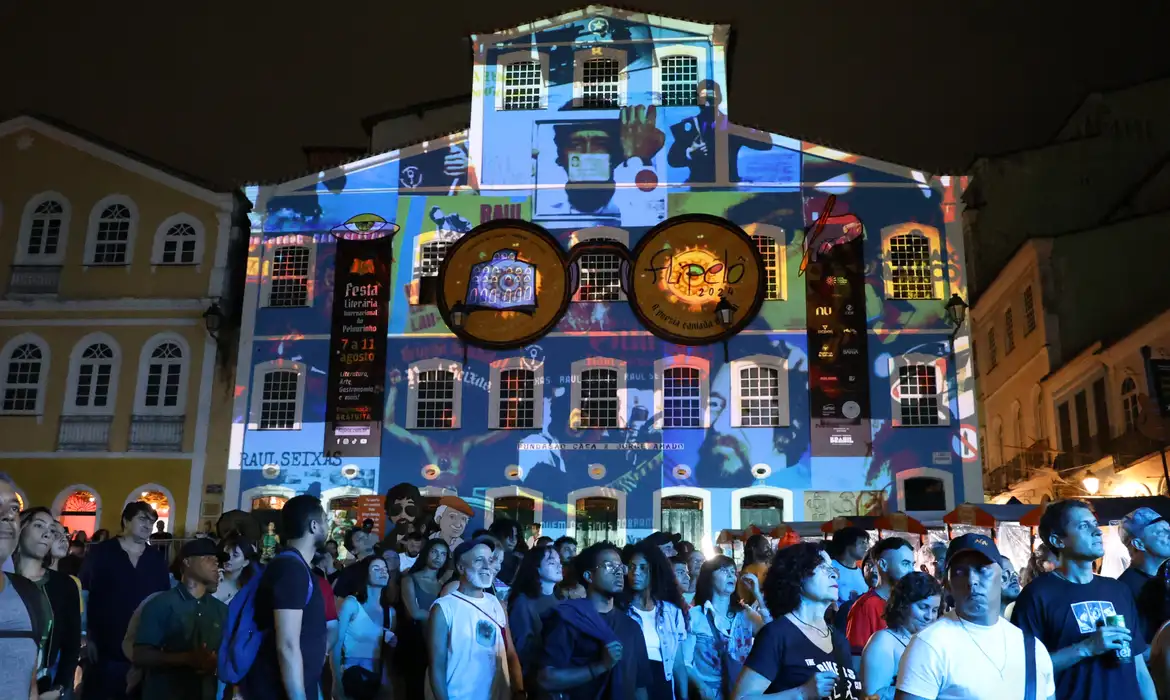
(956, 314)
(213, 320)
(458, 315)
(723, 313)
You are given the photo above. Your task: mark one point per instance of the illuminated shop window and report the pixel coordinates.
(24, 377)
(773, 254)
(992, 351)
(279, 400)
(93, 385)
(910, 259)
(600, 83)
(1029, 311)
(44, 231)
(1009, 332)
(919, 395)
(680, 80)
(162, 378)
(289, 281)
(110, 238)
(1129, 403)
(523, 84)
(596, 520)
(759, 392)
(179, 246)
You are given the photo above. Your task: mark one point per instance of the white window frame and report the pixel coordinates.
(587, 363)
(498, 367)
(160, 239)
(944, 396)
(412, 373)
(95, 220)
(696, 52)
(258, 373)
(597, 492)
(607, 234)
(264, 491)
(71, 408)
(43, 379)
(691, 492)
(1123, 397)
(778, 235)
(144, 360)
(785, 495)
(22, 257)
(268, 256)
(421, 240)
(947, 478)
(934, 240)
(490, 496)
(691, 361)
(526, 56)
(579, 59)
(763, 361)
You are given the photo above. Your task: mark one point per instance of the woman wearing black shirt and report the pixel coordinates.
(531, 597)
(798, 656)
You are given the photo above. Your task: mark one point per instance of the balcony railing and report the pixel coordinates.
(84, 433)
(34, 280)
(157, 433)
(1017, 469)
(1131, 446)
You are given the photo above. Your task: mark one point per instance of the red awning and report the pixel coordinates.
(900, 522)
(970, 514)
(835, 524)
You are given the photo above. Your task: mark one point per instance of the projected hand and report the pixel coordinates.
(641, 137)
(455, 162)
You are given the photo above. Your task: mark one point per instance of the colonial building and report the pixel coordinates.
(1067, 262)
(594, 136)
(111, 390)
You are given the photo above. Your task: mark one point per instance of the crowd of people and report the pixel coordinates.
(502, 616)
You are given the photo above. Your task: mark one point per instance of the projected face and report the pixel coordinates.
(587, 155)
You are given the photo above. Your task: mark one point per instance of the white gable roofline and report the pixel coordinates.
(717, 33)
(223, 200)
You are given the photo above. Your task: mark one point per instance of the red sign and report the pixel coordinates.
(371, 507)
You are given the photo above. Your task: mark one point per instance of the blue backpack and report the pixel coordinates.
(242, 638)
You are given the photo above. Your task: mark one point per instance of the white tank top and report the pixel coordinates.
(477, 665)
(363, 636)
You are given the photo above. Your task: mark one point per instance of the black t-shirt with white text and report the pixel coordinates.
(787, 658)
(1061, 613)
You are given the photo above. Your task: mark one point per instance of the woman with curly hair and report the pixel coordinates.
(799, 651)
(656, 604)
(913, 605)
(531, 597)
(722, 630)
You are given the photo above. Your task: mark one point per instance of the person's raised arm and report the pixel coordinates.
(437, 638)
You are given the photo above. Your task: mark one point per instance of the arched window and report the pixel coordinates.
(278, 389)
(999, 443)
(1130, 406)
(913, 253)
(43, 230)
(681, 392)
(111, 232)
(26, 371)
(596, 520)
(162, 381)
(522, 80)
(598, 393)
(1038, 409)
(762, 506)
(435, 399)
(522, 509)
(93, 381)
(759, 392)
(516, 394)
(599, 270)
(178, 241)
(924, 493)
(770, 241)
(683, 515)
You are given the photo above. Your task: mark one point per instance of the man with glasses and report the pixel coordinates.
(972, 651)
(593, 650)
(1147, 537)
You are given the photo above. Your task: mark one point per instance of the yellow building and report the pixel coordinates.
(112, 387)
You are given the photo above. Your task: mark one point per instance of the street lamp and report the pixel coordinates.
(1091, 484)
(723, 313)
(458, 315)
(213, 320)
(956, 313)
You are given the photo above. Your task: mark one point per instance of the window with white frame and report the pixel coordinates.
(25, 374)
(919, 392)
(111, 237)
(44, 230)
(93, 379)
(429, 257)
(599, 272)
(599, 78)
(278, 389)
(436, 395)
(516, 394)
(681, 392)
(910, 263)
(759, 392)
(178, 241)
(599, 388)
(288, 281)
(162, 378)
(679, 80)
(522, 80)
(1130, 406)
(769, 241)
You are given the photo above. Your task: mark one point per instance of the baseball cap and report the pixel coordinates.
(1134, 524)
(198, 547)
(972, 542)
(466, 546)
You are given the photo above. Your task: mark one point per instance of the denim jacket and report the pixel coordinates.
(672, 632)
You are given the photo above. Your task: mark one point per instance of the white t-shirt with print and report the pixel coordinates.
(477, 664)
(957, 660)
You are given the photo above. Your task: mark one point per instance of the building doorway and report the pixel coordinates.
(162, 505)
(79, 512)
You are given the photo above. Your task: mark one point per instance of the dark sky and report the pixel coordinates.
(230, 91)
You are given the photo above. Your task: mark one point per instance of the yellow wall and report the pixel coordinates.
(43, 480)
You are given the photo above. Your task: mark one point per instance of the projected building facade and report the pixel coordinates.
(844, 393)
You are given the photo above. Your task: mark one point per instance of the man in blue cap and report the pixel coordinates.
(972, 651)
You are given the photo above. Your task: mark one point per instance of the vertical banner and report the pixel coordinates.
(357, 347)
(837, 336)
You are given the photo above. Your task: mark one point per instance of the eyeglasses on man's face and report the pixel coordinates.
(614, 568)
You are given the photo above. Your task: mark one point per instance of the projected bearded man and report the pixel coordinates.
(592, 151)
(403, 506)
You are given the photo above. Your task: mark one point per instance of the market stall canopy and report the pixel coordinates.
(899, 522)
(1109, 509)
(731, 536)
(970, 514)
(836, 524)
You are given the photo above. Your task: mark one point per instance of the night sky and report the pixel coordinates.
(231, 91)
